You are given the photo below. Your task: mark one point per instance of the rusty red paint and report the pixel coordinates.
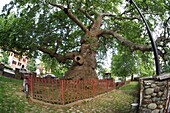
(67, 91)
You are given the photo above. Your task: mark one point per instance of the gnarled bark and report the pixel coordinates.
(83, 67)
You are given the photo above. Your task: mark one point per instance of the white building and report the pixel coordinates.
(16, 62)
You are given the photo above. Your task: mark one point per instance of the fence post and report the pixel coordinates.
(52, 87)
(48, 85)
(93, 88)
(70, 86)
(32, 83)
(106, 85)
(29, 85)
(114, 83)
(62, 91)
(57, 88)
(77, 96)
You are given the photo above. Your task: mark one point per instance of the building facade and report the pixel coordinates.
(17, 62)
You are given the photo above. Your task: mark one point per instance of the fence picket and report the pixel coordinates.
(62, 90)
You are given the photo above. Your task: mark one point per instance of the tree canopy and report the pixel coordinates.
(126, 63)
(77, 30)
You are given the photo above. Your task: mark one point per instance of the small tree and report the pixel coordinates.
(52, 65)
(126, 63)
(31, 66)
(4, 57)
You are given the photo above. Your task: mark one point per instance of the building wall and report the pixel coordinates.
(16, 62)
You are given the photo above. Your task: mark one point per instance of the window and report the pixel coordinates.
(23, 67)
(19, 64)
(16, 56)
(11, 54)
(14, 62)
(24, 60)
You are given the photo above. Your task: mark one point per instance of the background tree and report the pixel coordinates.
(75, 31)
(164, 43)
(52, 65)
(123, 64)
(31, 65)
(4, 57)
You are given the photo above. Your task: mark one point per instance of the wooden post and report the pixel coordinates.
(32, 87)
(106, 85)
(62, 91)
(56, 91)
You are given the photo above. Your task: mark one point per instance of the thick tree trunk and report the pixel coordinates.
(84, 65)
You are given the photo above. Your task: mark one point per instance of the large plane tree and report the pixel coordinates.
(77, 30)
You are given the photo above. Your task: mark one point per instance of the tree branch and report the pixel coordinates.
(59, 57)
(86, 14)
(56, 5)
(97, 23)
(71, 16)
(120, 18)
(123, 41)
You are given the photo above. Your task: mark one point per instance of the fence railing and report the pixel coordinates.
(66, 91)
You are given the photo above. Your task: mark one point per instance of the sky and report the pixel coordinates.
(2, 3)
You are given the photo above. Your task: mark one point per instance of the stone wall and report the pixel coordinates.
(154, 94)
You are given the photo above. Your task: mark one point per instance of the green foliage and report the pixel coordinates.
(51, 64)
(35, 24)
(126, 63)
(4, 57)
(123, 64)
(166, 68)
(102, 71)
(146, 64)
(131, 86)
(31, 65)
(132, 89)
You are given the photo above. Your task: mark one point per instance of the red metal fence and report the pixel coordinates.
(66, 91)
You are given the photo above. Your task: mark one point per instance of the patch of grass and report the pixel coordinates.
(8, 101)
(132, 88)
(5, 79)
(12, 100)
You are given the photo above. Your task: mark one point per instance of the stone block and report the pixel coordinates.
(149, 91)
(155, 111)
(152, 106)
